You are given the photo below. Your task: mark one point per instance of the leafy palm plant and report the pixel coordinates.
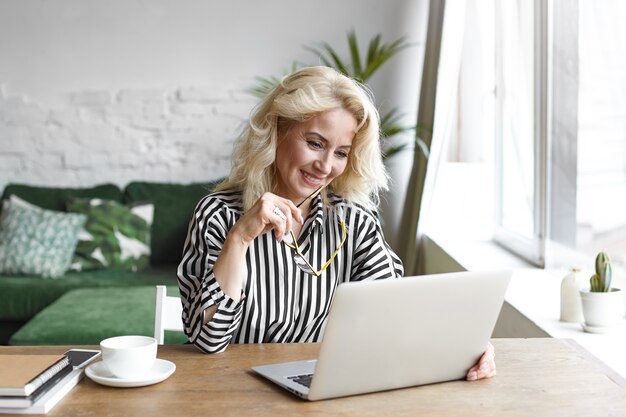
(361, 70)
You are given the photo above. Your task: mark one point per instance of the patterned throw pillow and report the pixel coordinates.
(115, 236)
(35, 241)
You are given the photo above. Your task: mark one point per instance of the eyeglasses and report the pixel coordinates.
(299, 258)
(301, 261)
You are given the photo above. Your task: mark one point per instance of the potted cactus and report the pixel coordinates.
(602, 304)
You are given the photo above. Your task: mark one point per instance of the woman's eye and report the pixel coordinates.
(315, 144)
(341, 154)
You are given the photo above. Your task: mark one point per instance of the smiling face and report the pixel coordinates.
(313, 153)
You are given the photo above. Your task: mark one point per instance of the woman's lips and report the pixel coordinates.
(311, 179)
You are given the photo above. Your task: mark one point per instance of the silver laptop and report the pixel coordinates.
(397, 333)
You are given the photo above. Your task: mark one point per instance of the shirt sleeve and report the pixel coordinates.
(373, 257)
(199, 289)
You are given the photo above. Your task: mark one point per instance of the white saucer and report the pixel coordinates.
(597, 329)
(161, 370)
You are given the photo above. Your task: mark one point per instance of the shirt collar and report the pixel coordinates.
(317, 210)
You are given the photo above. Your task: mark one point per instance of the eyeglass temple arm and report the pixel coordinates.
(343, 228)
(310, 195)
(295, 241)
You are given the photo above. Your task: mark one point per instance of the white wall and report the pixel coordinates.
(119, 90)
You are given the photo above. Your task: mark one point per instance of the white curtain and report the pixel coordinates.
(437, 104)
(447, 96)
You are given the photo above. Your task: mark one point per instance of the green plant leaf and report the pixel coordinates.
(378, 53)
(373, 47)
(393, 150)
(266, 84)
(390, 120)
(353, 45)
(423, 147)
(337, 62)
(389, 126)
(263, 86)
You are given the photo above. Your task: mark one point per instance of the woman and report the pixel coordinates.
(296, 217)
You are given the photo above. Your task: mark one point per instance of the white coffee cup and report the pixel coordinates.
(129, 357)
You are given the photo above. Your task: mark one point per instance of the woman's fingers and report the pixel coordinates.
(282, 228)
(270, 212)
(486, 366)
(296, 214)
(279, 214)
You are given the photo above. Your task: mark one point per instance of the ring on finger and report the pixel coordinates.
(279, 213)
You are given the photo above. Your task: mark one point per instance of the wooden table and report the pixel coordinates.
(536, 377)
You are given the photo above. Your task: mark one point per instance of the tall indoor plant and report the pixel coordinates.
(361, 67)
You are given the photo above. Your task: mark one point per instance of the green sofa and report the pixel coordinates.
(31, 298)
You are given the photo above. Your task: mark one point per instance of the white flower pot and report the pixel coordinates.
(602, 310)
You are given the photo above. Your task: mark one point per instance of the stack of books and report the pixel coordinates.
(33, 384)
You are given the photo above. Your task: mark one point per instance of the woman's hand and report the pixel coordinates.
(486, 366)
(269, 212)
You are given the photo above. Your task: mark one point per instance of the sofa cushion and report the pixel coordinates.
(87, 316)
(173, 206)
(24, 296)
(36, 241)
(115, 236)
(56, 198)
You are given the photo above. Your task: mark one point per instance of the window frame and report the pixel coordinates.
(533, 248)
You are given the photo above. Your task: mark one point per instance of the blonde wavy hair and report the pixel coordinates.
(299, 97)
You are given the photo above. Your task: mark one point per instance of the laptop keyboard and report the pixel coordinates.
(302, 379)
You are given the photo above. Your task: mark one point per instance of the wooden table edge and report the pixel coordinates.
(608, 371)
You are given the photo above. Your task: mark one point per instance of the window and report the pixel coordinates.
(536, 153)
(570, 190)
(601, 159)
(519, 130)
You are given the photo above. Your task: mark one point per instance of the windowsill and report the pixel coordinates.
(535, 293)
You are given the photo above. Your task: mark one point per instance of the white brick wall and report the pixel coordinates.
(128, 64)
(179, 135)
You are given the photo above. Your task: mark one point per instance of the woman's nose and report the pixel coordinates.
(324, 165)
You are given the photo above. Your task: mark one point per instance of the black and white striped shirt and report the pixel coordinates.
(280, 303)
